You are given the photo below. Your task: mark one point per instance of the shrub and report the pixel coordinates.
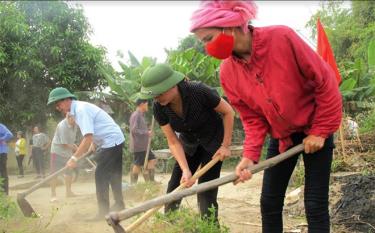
(8, 208)
(186, 221)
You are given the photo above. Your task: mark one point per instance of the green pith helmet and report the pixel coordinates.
(158, 79)
(59, 93)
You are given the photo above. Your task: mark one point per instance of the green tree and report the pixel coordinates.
(191, 41)
(43, 45)
(350, 27)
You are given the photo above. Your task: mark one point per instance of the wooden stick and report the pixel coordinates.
(48, 178)
(150, 212)
(341, 130)
(149, 144)
(174, 196)
(358, 139)
(24, 205)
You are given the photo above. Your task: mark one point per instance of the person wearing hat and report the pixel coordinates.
(281, 87)
(204, 121)
(20, 151)
(139, 137)
(99, 128)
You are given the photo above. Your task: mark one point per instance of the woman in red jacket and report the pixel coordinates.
(281, 87)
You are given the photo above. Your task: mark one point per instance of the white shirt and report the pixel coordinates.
(93, 120)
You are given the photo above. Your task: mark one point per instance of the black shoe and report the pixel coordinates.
(96, 218)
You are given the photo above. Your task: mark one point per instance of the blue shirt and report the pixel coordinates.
(5, 135)
(93, 120)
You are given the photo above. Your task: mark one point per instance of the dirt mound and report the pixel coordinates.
(356, 208)
(367, 140)
(352, 203)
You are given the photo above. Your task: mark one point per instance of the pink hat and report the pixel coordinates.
(223, 13)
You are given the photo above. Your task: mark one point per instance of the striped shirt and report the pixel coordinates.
(200, 123)
(40, 140)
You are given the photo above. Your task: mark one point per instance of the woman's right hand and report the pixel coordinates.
(185, 178)
(241, 170)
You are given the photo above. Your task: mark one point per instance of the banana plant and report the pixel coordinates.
(359, 78)
(371, 56)
(197, 66)
(126, 84)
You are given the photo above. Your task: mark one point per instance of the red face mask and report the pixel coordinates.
(221, 47)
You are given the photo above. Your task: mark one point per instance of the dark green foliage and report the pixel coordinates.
(43, 45)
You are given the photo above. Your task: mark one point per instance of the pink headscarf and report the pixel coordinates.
(224, 13)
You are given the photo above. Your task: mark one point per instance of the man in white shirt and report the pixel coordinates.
(99, 128)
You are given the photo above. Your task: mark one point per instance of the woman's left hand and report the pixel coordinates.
(313, 143)
(223, 152)
(186, 178)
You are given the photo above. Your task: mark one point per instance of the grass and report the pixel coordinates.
(183, 221)
(12, 220)
(298, 176)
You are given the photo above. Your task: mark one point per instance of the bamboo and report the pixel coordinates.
(341, 131)
(149, 145)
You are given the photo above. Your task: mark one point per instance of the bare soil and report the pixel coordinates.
(238, 206)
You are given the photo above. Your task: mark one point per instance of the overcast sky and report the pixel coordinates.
(147, 27)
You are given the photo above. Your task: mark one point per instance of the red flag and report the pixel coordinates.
(325, 51)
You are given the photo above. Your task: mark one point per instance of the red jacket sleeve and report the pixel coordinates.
(255, 126)
(328, 111)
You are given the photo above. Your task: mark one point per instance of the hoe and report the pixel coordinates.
(24, 205)
(114, 218)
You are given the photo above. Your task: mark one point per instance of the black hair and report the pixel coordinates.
(140, 101)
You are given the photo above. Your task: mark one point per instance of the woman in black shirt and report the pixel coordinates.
(204, 121)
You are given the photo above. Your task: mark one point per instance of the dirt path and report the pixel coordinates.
(239, 206)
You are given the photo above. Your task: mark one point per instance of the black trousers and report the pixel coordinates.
(275, 182)
(20, 163)
(206, 199)
(38, 160)
(4, 173)
(109, 172)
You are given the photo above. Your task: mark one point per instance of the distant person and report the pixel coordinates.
(99, 128)
(352, 127)
(5, 136)
(281, 87)
(20, 151)
(62, 148)
(139, 137)
(204, 121)
(39, 145)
